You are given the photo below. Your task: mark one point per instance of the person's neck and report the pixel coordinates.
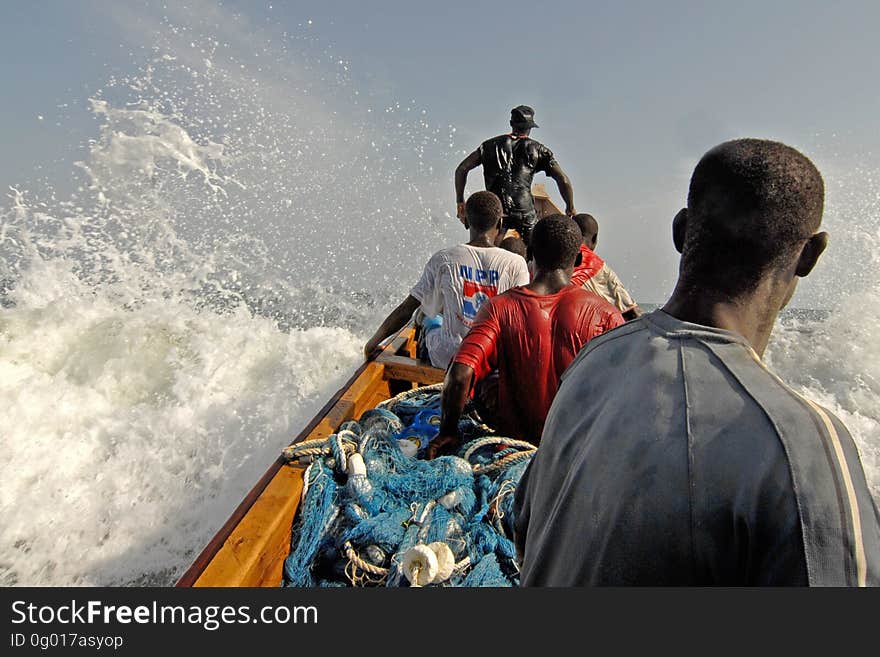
(750, 315)
(550, 281)
(481, 240)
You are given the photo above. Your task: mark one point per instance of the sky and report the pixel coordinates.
(628, 94)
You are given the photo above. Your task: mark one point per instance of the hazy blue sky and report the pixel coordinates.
(628, 94)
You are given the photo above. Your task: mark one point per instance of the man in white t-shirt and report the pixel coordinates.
(457, 281)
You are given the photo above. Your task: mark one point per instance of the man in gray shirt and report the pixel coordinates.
(671, 455)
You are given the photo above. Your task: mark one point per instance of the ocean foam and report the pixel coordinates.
(130, 435)
(172, 323)
(835, 363)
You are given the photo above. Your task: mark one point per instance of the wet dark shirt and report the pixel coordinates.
(509, 164)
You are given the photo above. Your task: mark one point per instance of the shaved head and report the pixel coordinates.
(751, 203)
(589, 228)
(556, 242)
(483, 210)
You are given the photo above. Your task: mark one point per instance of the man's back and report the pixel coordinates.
(687, 462)
(531, 339)
(509, 165)
(456, 282)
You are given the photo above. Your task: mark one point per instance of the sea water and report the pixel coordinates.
(176, 308)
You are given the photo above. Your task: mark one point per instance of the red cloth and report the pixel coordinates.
(589, 267)
(531, 339)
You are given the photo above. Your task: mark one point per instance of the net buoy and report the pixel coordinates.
(356, 465)
(420, 565)
(445, 561)
(357, 477)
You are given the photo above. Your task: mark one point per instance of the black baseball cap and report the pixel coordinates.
(523, 115)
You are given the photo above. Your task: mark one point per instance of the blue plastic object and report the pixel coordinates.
(424, 428)
(429, 323)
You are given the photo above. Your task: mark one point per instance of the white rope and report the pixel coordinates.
(311, 447)
(497, 440)
(355, 559)
(320, 446)
(462, 565)
(306, 483)
(291, 454)
(406, 394)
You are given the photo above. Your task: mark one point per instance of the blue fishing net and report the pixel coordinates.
(359, 525)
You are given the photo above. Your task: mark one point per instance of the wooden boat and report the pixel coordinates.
(544, 205)
(250, 548)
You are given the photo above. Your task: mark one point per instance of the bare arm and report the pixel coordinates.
(456, 387)
(395, 321)
(564, 185)
(472, 161)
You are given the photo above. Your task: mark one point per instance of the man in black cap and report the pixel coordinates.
(509, 162)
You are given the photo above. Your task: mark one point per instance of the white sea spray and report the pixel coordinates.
(175, 311)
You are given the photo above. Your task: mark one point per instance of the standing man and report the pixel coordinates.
(509, 163)
(671, 454)
(456, 282)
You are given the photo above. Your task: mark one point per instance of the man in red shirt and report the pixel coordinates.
(529, 334)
